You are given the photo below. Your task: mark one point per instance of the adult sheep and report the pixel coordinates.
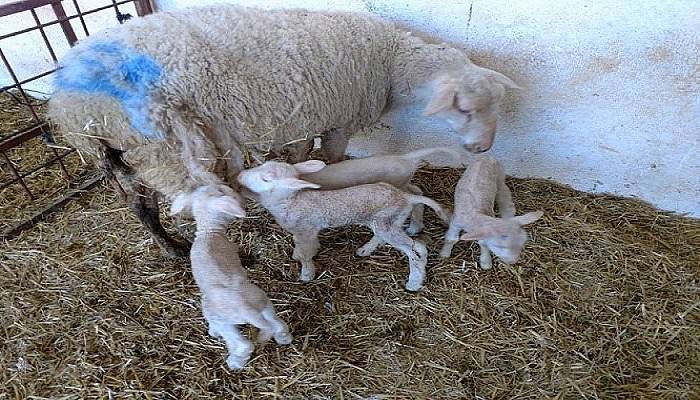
(225, 85)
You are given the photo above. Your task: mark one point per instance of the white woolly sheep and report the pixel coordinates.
(239, 82)
(304, 213)
(481, 184)
(228, 297)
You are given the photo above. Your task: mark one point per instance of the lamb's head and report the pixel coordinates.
(279, 176)
(210, 203)
(468, 99)
(505, 237)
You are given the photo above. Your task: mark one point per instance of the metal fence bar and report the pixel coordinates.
(40, 127)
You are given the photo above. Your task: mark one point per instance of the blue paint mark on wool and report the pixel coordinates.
(112, 69)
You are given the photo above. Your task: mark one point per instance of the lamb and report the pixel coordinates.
(396, 170)
(304, 213)
(238, 83)
(481, 184)
(228, 297)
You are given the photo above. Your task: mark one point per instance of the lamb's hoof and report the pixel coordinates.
(445, 254)
(284, 338)
(485, 266)
(413, 230)
(413, 286)
(306, 276)
(364, 252)
(215, 333)
(237, 362)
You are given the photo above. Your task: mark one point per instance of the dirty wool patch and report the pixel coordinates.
(603, 304)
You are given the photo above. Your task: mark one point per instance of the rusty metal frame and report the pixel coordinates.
(40, 127)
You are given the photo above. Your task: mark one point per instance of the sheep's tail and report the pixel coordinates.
(439, 209)
(420, 155)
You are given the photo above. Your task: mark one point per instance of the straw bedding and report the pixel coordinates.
(603, 304)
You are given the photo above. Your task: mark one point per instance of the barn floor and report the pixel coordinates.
(603, 304)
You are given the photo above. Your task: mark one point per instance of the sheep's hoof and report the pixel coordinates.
(237, 362)
(284, 338)
(175, 249)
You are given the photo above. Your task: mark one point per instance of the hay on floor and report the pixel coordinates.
(603, 304)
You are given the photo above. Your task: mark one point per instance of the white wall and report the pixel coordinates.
(612, 87)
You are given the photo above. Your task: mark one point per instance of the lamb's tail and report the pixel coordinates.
(420, 155)
(439, 209)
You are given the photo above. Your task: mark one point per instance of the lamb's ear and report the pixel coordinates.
(181, 202)
(498, 78)
(296, 184)
(308, 167)
(528, 218)
(442, 100)
(228, 205)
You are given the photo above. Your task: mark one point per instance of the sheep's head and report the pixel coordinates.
(274, 175)
(468, 99)
(505, 237)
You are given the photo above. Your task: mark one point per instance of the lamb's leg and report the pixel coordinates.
(239, 347)
(504, 200)
(334, 144)
(451, 237)
(415, 250)
(484, 256)
(280, 329)
(416, 225)
(142, 201)
(306, 246)
(369, 247)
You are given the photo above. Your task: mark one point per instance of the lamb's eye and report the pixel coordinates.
(466, 113)
(504, 237)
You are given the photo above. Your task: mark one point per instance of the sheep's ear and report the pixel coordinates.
(181, 202)
(443, 99)
(297, 184)
(228, 205)
(498, 78)
(528, 218)
(308, 167)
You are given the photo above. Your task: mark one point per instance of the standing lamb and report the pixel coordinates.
(483, 182)
(238, 83)
(228, 297)
(304, 213)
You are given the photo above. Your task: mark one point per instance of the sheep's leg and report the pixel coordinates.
(416, 225)
(334, 144)
(416, 252)
(504, 199)
(299, 151)
(142, 201)
(484, 256)
(306, 246)
(451, 237)
(239, 347)
(369, 247)
(280, 329)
